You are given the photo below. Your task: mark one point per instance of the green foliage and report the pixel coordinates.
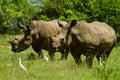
(61, 9)
(89, 10)
(12, 12)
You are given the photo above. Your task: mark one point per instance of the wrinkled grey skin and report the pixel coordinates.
(88, 39)
(36, 35)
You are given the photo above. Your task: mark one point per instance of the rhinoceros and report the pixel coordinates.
(36, 35)
(88, 39)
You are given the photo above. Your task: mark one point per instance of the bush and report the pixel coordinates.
(89, 10)
(12, 12)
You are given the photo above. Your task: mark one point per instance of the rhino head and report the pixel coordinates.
(64, 39)
(56, 42)
(23, 41)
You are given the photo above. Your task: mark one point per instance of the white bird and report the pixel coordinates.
(45, 57)
(21, 65)
(100, 61)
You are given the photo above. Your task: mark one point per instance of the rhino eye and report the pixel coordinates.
(27, 39)
(61, 39)
(16, 39)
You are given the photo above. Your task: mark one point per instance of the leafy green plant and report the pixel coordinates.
(12, 12)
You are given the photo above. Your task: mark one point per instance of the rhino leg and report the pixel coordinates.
(64, 54)
(52, 55)
(89, 60)
(103, 55)
(76, 55)
(90, 57)
(99, 57)
(106, 55)
(77, 58)
(38, 51)
(40, 54)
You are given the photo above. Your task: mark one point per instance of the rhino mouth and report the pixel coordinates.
(56, 49)
(16, 50)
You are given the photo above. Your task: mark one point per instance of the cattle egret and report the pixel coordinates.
(21, 65)
(100, 61)
(45, 57)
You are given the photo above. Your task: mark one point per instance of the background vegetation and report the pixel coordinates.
(12, 12)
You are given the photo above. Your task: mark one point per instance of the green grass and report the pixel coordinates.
(39, 69)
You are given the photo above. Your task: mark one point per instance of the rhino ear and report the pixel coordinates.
(60, 24)
(50, 38)
(62, 39)
(73, 23)
(28, 28)
(55, 35)
(21, 26)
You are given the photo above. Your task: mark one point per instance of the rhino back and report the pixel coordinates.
(44, 29)
(40, 32)
(95, 33)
